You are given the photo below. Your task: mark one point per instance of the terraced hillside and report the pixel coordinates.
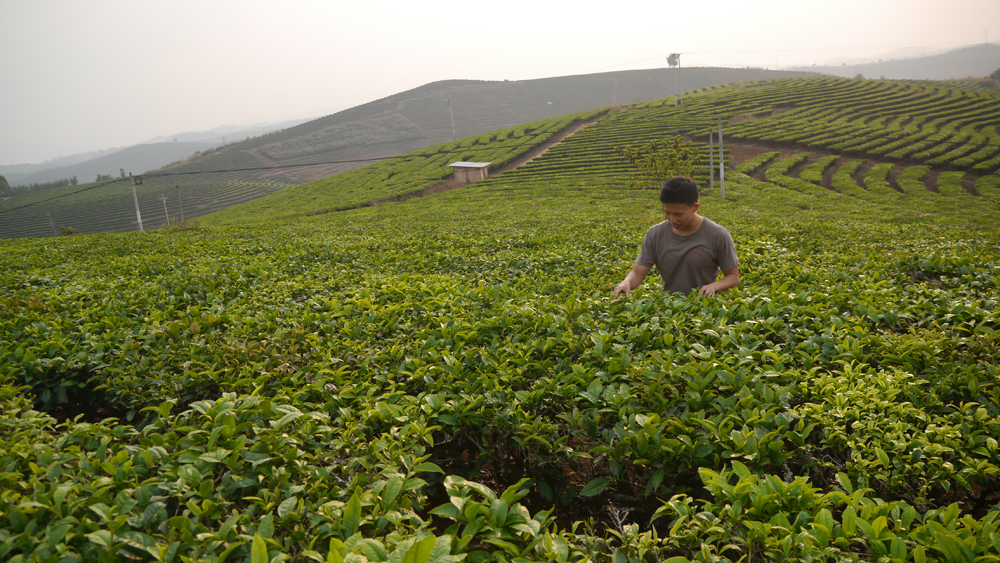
(448, 378)
(390, 127)
(867, 139)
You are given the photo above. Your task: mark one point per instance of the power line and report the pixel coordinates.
(61, 196)
(167, 174)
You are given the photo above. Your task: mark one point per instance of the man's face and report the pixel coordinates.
(680, 215)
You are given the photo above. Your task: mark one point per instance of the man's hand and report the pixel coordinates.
(624, 287)
(730, 279)
(632, 280)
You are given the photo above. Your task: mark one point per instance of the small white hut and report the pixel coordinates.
(470, 172)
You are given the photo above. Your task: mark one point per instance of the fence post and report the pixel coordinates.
(722, 165)
(711, 162)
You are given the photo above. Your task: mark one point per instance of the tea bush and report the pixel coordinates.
(450, 379)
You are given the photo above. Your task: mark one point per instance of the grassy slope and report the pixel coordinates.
(383, 128)
(470, 327)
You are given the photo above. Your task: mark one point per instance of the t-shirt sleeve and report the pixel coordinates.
(647, 253)
(727, 252)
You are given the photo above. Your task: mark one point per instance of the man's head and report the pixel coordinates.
(679, 196)
(679, 189)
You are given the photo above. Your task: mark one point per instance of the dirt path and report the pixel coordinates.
(544, 147)
(519, 161)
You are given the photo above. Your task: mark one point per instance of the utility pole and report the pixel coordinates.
(181, 203)
(722, 165)
(163, 198)
(452, 111)
(711, 163)
(674, 60)
(680, 93)
(135, 198)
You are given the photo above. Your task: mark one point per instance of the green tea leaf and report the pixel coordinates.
(287, 506)
(420, 552)
(883, 458)
(258, 550)
(352, 515)
(428, 467)
(595, 486)
(391, 491)
(845, 483)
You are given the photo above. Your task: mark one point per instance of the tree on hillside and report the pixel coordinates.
(994, 78)
(656, 161)
(4, 186)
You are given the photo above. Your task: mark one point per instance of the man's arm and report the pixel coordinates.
(730, 279)
(632, 280)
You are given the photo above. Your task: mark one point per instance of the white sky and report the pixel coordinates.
(79, 75)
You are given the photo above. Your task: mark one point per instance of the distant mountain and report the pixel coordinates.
(154, 153)
(227, 133)
(976, 61)
(136, 159)
(895, 54)
(14, 172)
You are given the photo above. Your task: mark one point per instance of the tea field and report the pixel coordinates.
(243, 170)
(450, 379)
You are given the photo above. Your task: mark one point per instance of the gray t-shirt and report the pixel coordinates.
(690, 261)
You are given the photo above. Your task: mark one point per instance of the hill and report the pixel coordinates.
(974, 61)
(448, 378)
(225, 134)
(881, 125)
(18, 171)
(148, 155)
(137, 158)
(392, 126)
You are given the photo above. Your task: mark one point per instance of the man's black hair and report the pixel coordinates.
(679, 189)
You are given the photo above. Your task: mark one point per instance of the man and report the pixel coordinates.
(687, 249)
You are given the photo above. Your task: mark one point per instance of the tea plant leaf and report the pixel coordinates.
(883, 458)
(287, 506)
(421, 551)
(595, 487)
(140, 542)
(338, 551)
(101, 538)
(391, 491)
(352, 515)
(741, 470)
(258, 550)
(428, 467)
(845, 483)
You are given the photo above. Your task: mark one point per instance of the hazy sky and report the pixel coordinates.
(80, 75)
